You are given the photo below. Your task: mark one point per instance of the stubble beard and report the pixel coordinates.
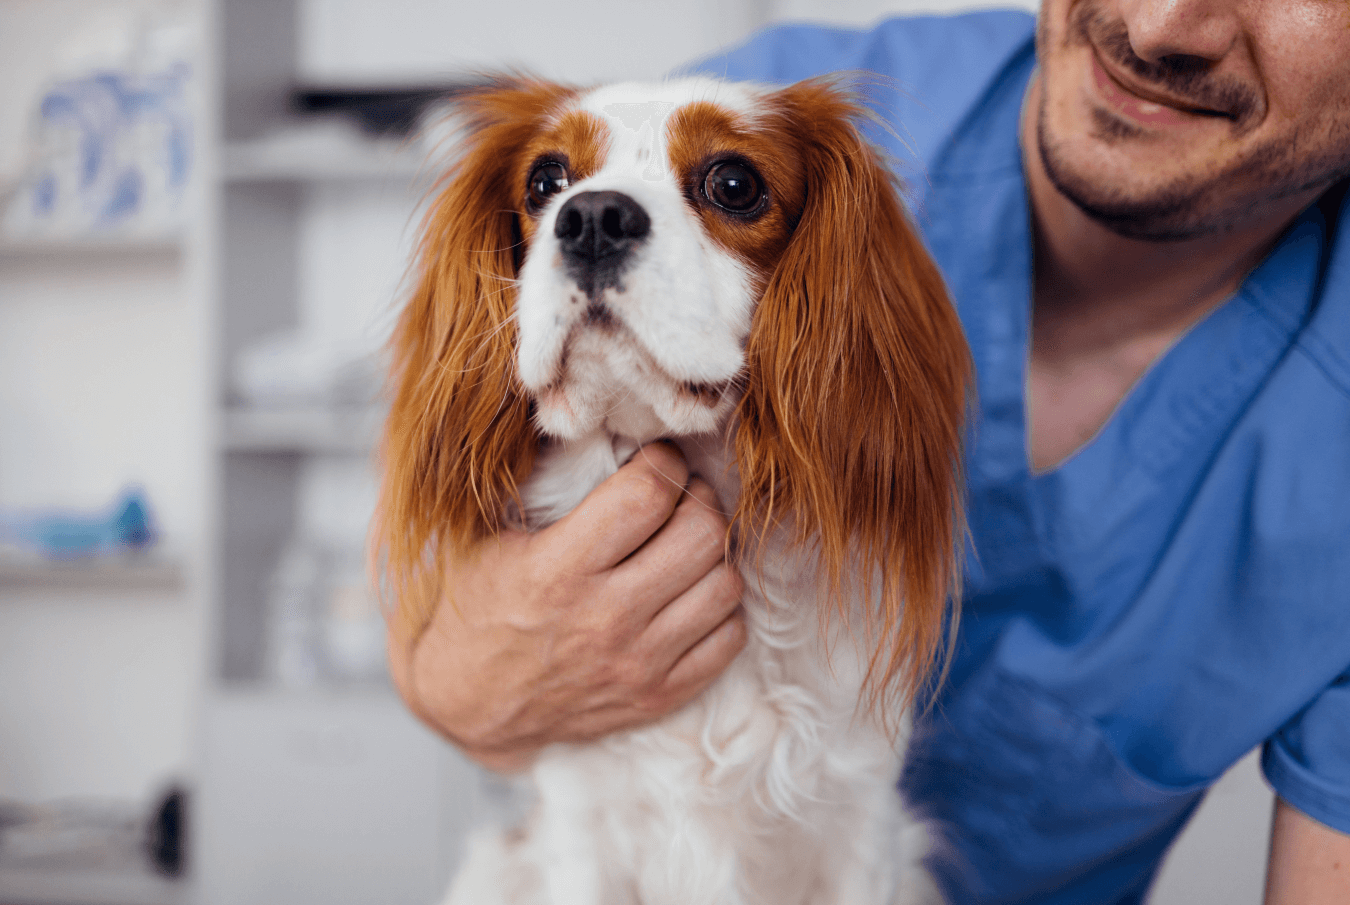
(1189, 205)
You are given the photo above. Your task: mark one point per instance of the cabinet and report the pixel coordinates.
(311, 240)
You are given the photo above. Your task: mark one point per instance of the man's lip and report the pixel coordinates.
(1147, 96)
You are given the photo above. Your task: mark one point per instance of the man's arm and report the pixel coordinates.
(619, 613)
(1309, 861)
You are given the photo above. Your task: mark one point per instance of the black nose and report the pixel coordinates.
(598, 230)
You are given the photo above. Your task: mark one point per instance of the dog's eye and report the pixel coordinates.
(733, 187)
(546, 180)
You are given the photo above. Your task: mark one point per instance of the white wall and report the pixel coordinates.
(598, 39)
(595, 40)
(864, 12)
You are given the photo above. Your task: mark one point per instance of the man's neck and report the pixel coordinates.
(1105, 307)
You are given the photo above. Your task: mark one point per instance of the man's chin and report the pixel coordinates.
(1166, 214)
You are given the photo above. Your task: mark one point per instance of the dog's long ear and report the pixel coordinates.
(857, 384)
(458, 438)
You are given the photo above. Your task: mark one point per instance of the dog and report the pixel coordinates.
(729, 266)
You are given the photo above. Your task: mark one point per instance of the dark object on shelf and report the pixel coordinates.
(166, 833)
(390, 110)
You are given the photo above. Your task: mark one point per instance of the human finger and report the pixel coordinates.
(684, 550)
(689, 618)
(696, 669)
(618, 516)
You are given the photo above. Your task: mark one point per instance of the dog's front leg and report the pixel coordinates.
(563, 830)
(550, 859)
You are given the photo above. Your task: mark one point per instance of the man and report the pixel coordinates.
(1159, 481)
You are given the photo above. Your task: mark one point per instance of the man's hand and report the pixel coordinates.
(612, 617)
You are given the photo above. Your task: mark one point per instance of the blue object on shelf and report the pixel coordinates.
(127, 526)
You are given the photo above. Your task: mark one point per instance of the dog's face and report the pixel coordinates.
(652, 216)
(677, 258)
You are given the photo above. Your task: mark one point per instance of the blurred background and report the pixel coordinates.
(206, 212)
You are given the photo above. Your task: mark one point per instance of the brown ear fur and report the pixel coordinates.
(851, 425)
(458, 438)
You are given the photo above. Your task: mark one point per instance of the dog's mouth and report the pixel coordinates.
(600, 322)
(605, 378)
(598, 316)
(706, 395)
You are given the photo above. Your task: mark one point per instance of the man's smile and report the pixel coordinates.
(1143, 105)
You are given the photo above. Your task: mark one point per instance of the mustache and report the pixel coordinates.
(1186, 78)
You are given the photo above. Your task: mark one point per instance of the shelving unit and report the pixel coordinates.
(102, 366)
(361, 798)
(275, 168)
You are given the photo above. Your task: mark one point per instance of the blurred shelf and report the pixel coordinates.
(49, 886)
(323, 161)
(344, 430)
(149, 574)
(120, 247)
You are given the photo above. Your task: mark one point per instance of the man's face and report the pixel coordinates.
(1166, 119)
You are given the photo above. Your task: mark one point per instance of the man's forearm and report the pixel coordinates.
(1309, 862)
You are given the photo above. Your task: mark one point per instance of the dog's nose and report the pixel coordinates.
(600, 228)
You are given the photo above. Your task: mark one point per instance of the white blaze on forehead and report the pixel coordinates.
(638, 116)
(642, 121)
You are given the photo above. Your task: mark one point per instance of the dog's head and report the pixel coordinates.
(668, 259)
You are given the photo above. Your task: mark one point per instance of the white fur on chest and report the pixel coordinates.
(772, 788)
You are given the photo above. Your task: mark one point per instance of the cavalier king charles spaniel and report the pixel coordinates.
(729, 266)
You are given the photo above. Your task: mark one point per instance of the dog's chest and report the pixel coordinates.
(766, 790)
(771, 780)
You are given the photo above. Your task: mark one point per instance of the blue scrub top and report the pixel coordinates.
(1178, 591)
